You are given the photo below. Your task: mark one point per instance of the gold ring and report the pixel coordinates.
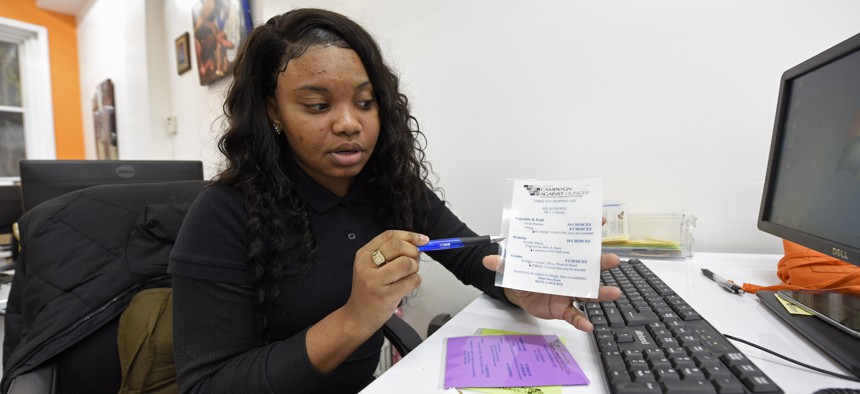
(378, 258)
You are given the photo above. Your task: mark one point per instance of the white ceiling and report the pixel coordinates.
(70, 7)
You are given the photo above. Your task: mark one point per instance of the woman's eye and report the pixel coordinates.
(316, 107)
(365, 104)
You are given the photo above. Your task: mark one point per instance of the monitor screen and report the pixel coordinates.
(42, 180)
(812, 190)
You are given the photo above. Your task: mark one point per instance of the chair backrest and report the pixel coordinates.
(85, 255)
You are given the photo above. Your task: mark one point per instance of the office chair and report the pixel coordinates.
(130, 229)
(84, 256)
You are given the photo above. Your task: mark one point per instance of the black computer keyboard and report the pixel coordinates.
(651, 341)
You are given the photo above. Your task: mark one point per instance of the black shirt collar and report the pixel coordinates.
(318, 197)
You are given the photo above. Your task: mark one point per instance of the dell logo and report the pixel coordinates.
(840, 253)
(125, 172)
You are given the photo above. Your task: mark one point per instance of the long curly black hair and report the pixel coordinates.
(257, 156)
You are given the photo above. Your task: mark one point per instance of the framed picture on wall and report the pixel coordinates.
(220, 28)
(104, 121)
(183, 54)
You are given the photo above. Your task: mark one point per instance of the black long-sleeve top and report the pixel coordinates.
(219, 341)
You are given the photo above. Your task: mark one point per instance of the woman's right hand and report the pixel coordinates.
(376, 291)
(378, 288)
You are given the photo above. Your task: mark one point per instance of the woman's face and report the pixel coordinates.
(324, 102)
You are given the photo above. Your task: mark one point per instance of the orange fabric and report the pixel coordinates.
(803, 268)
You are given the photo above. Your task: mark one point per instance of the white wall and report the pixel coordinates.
(115, 41)
(671, 102)
(132, 43)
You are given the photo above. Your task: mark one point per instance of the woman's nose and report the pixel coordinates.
(346, 121)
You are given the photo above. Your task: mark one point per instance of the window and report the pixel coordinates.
(26, 111)
(12, 146)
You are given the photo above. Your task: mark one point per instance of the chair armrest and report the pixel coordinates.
(401, 335)
(437, 322)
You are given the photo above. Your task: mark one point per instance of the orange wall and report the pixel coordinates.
(65, 78)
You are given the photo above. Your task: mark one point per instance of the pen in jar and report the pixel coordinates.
(724, 283)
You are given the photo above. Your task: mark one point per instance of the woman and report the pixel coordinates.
(287, 267)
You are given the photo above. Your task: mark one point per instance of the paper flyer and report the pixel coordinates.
(553, 234)
(509, 361)
(513, 390)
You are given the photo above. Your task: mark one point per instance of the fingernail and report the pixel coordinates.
(423, 238)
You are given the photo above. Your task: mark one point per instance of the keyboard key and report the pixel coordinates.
(690, 386)
(728, 385)
(694, 351)
(688, 315)
(682, 331)
(632, 355)
(616, 377)
(638, 388)
(707, 360)
(634, 318)
(635, 365)
(607, 345)
(682, 362)
(614, 363)
(595, 312)
(673, 352)
(623, 338)
(659, 362)
(689, 340)
(760, 384)
(659, 331)
(743, 370)
(716, 371)
(666, 342)
(691, 373)
(643, 376)
(613, 317)
(734, 359)
(669, 317)
(664, 374)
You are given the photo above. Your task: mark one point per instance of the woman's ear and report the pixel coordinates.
(272, 110)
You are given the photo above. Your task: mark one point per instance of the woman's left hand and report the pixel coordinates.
(551, 306)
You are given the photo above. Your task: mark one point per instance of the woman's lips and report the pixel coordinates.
(347, 157)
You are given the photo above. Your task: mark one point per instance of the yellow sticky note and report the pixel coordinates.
(791, 308)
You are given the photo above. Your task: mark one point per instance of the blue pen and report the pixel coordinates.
(453, 243)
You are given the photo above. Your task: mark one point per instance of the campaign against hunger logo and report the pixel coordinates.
(554, 191)
(533, 190)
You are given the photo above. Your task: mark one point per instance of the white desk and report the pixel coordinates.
(742, 316)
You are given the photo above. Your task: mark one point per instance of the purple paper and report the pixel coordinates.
(510, 361)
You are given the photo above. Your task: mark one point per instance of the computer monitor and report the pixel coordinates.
(42, 180)
(812, 189)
